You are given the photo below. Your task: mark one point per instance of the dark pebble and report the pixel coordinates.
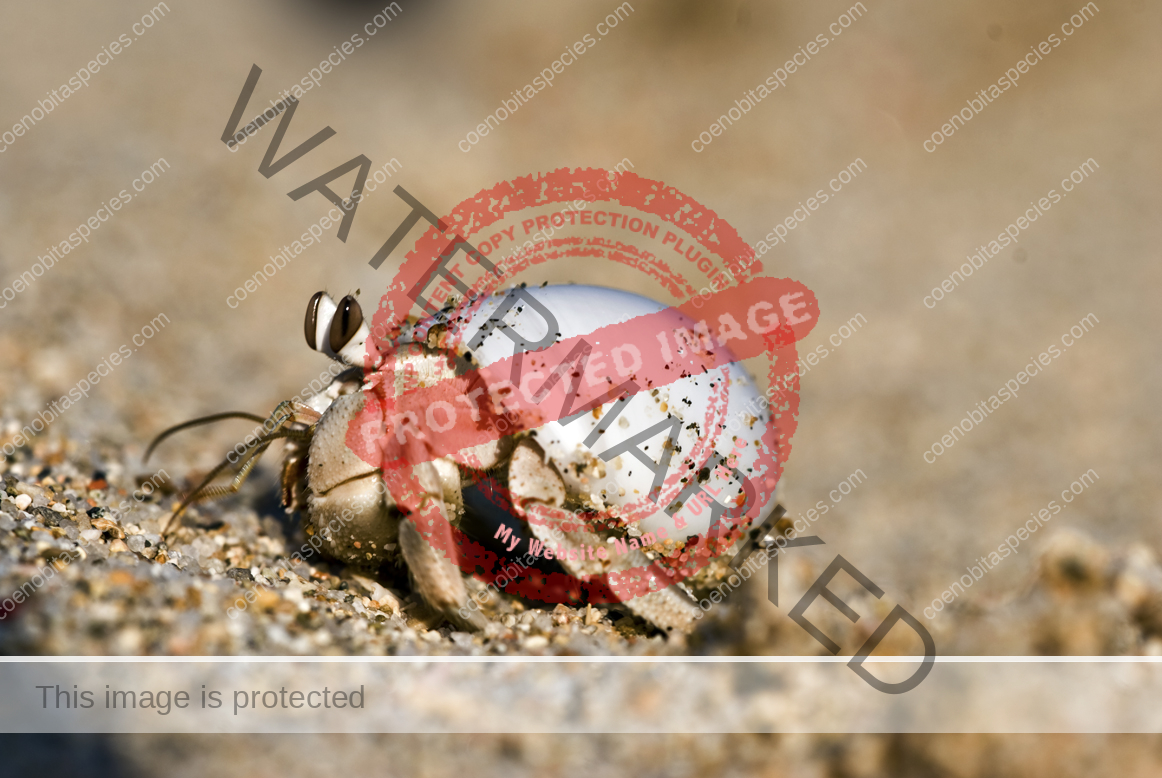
(239, 574)
(47, 515)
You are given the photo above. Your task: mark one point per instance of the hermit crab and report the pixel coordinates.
(643, 495)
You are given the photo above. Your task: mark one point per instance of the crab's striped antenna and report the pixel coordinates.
(197, 423)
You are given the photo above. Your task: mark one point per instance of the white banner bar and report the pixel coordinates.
(464, 695)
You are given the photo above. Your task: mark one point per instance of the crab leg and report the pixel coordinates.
(436, 577)
(538, 491)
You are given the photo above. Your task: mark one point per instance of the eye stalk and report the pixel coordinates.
(311, 324)
(345, 323)
(337, 330)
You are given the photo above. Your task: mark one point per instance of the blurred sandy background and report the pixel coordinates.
(643, 93)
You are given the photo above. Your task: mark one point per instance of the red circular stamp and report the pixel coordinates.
(624, 427)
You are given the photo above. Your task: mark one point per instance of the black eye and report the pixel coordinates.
(311, 324)
(345, 323)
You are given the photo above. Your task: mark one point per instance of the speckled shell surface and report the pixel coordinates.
(718, 410)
